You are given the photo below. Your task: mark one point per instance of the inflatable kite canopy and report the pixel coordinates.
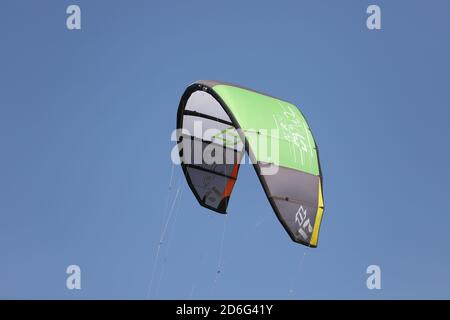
(217, 122)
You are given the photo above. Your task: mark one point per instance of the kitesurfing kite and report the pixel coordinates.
(216, 116)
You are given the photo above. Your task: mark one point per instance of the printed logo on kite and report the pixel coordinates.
(305, 228)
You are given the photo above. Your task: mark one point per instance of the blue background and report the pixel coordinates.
(85, 169)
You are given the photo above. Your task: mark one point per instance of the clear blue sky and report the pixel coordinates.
(85, 123)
